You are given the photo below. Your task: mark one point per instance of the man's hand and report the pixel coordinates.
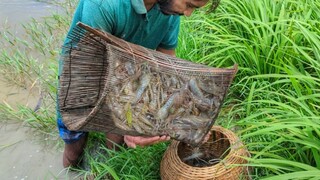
(133, 141)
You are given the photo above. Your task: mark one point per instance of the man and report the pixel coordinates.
(153, 24)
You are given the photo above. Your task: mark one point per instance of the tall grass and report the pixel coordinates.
(281, 129)
(258, 35)
(275, 98)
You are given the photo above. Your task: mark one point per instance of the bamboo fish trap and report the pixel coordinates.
(110, 85)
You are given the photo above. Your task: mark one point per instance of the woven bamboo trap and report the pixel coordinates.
(221, 157)
(110, 85)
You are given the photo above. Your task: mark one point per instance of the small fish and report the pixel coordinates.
(197, 136)
(138, 128)
(117, 109)
(174, 81)
(128, 88)
(145, 120)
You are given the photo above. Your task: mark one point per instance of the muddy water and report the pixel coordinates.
(20, 11)
(24, 154)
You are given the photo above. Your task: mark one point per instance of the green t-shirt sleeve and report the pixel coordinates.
(170, 40)
(99, 15)
(94, 14)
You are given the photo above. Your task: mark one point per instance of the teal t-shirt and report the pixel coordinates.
(129, 20)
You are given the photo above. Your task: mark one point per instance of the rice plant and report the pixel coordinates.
(32, 61)
(257, 35)
(275, 99)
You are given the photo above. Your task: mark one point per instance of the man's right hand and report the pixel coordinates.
(134, 141)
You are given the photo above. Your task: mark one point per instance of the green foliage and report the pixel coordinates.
(257, 35)
(32, 61)
(274, 100)
(139, 163)
(41, 120)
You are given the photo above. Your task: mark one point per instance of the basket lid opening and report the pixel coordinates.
(207, 154)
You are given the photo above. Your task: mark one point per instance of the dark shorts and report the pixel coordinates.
(67, 135)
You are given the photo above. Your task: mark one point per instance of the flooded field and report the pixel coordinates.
(15, 12)
(24, 153)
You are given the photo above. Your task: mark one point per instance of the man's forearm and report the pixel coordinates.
(171, 52)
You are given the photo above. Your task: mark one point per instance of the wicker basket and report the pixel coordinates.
(223, 143)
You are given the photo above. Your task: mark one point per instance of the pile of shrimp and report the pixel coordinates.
(157, 103)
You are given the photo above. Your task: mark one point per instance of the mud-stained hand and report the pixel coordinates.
(134, 141)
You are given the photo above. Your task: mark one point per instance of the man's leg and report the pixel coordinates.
(73, 151)
(112, 140)
(75, 142)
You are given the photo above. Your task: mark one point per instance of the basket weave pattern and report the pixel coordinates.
(227, 146)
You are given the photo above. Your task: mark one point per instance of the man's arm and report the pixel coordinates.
(171, 52)
(134, 141)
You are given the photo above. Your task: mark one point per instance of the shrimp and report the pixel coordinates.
(145, 120)
(129, 67)
(164, 110)
(138, 128)
(144, 82)
(194, 88)
(193, 156)
(209, 86)
(202, 103)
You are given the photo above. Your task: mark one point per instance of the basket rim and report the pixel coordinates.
(232, 156)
